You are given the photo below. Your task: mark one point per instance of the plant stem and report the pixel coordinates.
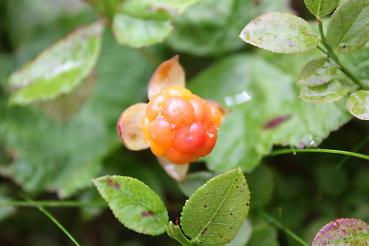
(328, 151)
(56, 222)
(176, 233)
(278, 224)
(50, 204)
(332, 55)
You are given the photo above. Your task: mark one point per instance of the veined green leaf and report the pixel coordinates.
(321, 8)
(243, 235)
(59, 69)
(273, 115)
(317, 72)
(215, 212)
(280, 33)
(194, 181)
(346, 231)
(358, 104)
(327, 93)
(348, 29)
(134, 204)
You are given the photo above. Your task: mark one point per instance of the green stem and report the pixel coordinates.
(279, 225)
(56, 222)
(332, 55)
(50, 204)
(176, 233)
(328, 151)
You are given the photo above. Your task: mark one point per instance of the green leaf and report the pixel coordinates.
(138, 32)
(321, 8)
(59, 69)
(358, 104)
(327, 93)
(64, 156)
(215, 212)
(346, 231)
(194, 181)
(348, 29)
(280, 33)
(243, 235)
(134, 204)
(274, 115)
(317, 72)
(211, 27)
(140, 23)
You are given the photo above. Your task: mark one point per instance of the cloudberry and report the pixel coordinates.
(180, 126)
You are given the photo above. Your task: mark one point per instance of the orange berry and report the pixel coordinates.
(178, 111)
(177, 157)
(189, 139)
(199, 108)
(161, 132)
(181, 126)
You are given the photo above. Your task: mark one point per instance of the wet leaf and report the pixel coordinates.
(345, 232)
(59, 69)
(317, 72)
(327, 93)
(348, 29)
(321, 8)
(280, 33)
(358, 104)
(274, 115)
(134, 204)
(215, 212)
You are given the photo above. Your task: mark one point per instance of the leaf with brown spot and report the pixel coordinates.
(134, 204)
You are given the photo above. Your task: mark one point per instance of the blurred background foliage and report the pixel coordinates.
(51, 150)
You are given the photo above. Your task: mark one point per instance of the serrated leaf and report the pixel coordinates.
(134, 204)
(140, 23)
(327, 93)
(280, 33)
(321, 8)
(274, 115)
(358, 104)
(59, 69)
(216, 211)
(210, 27)
(345, 231)
(348, 29)
(317, 72)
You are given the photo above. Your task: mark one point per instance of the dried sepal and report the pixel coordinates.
(129, 127)
(169, 73)
(177, 172)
